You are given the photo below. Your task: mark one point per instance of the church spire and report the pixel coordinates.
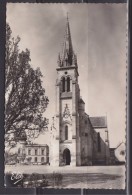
(68, 58)
(68, 42)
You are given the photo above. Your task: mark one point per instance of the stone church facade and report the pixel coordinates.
(76, 138)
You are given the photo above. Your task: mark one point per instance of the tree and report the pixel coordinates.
(21, 157)
(29, 159)
(25, 99)
(10, 157)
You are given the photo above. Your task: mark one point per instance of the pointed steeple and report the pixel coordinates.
(68, 50)
(68, 58)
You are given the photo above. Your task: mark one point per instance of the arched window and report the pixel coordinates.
(68, 84)
(99, 143)
(35, 159)
(42, 152)
(36, 152)
(19, 151)
(66, 132)
(29, 152)
(42, 159)
(63, 84)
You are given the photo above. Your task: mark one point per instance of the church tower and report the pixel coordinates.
(76, 138)
(67, 96)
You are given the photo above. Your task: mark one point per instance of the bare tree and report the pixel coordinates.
(25, 99)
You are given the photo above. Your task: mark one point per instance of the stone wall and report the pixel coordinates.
(102, 155)
(85, 128)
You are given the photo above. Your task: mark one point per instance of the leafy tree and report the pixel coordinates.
(10, 157)
(25, 99)
(21, 157)
(29, 159)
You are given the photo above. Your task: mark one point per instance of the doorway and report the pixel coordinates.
(67, 156)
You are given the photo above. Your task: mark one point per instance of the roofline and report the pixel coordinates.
(87, 114)
(34, 145)
(98, 116)
(97, 127)
(119, 145)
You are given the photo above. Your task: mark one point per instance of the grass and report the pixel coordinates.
(77, 177)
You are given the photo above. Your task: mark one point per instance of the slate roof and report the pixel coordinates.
(99, 122)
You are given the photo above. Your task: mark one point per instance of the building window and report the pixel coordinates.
(122, 152)
(83, 151)
(68, 84)
(86, 134)
(42, 159)
(66, 132)
(63, 84)
(19, 151)
(99, 143)
(42, 152)
(23, 151)
(29, 152)
(36, 152)
(35, 159)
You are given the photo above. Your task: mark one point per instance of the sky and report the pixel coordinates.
(98, 34)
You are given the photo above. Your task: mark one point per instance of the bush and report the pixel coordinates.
(57, 179)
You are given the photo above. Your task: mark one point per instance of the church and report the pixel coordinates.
(76, 138)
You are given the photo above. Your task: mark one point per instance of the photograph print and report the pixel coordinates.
(65, 95)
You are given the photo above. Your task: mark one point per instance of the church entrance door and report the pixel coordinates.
(67, 156)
